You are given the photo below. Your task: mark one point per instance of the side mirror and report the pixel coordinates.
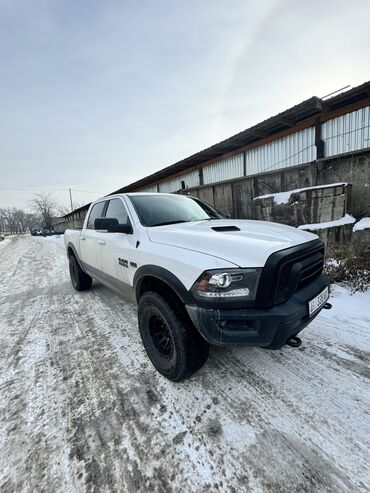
(111, 225)
(124, 228)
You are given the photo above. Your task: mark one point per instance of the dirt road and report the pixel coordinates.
(82, 409)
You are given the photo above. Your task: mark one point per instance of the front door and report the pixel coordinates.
(118, 247)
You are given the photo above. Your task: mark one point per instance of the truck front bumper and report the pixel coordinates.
(269, 328)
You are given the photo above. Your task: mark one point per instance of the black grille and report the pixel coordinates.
(297, 272)
(288, 270)
(312, 267)
(284, 276)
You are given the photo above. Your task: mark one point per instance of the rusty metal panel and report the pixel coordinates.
(350, 132)
(174, 184)
(294, 149)
(225, 169)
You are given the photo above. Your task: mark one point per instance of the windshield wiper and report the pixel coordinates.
(168, 222)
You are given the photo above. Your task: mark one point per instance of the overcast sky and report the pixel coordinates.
(96, 94)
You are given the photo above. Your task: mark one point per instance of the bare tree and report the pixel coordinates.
(32, 221)
(63, 209)
(3, 221)
(46, 207)
(8, 215)
(13, 220)
(19, 217)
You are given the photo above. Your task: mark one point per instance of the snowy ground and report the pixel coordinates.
(4, 242)
(82, 409)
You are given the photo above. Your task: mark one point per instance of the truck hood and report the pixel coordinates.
(246, 244)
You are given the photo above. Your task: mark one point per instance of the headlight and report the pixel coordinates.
(227, 285)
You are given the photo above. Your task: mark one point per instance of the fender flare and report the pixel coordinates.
(164, 275)
(73, 248)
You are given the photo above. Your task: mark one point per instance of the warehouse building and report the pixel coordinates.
(316, 142)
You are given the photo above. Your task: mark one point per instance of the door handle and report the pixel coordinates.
(101, 242)
(82, 238)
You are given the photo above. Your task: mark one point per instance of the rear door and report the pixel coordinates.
(91, 240)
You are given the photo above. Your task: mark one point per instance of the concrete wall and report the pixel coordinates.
(353, 169)
(345, 235)
(339, 234)
(308, 206)
(236, 197)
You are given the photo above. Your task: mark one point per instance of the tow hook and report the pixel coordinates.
(327, 306)
(294, 341)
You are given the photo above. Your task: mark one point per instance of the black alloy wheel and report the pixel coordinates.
(161, 336)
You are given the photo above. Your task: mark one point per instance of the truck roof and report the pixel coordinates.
(149, 193)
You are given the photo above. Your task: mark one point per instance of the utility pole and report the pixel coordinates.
(70, 199)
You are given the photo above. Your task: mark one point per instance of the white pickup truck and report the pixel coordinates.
(198, 278)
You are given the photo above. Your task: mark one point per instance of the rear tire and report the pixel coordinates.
(173, 345)
(79, 279)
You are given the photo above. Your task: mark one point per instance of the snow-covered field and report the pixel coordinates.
(82, 409)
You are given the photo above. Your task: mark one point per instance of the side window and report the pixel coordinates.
(116, 209)
(96, 211)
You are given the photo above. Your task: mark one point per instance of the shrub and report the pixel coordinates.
(350, 265)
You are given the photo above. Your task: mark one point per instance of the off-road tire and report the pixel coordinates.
(79, 279)
(186, 351)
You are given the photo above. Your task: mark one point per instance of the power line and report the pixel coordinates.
(48, 190)
(34, 189)
(86, 191)
(301, 151)
(335, 92)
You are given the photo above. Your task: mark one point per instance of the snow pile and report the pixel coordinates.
(283, 197)
(348, 305)
(347, 219)
(333, 263)
(58, 239)
(4, 242)
(362, 224)
(54, 238)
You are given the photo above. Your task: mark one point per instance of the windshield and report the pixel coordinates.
(158, 210)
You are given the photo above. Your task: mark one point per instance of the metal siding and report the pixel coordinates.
(347, 133)
(191, 179)
(170, 185)
(226, 169)
(296, 148)
(173, 185)
(152, 189)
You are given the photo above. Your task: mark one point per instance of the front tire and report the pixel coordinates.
(79, 279)
(173, 345)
